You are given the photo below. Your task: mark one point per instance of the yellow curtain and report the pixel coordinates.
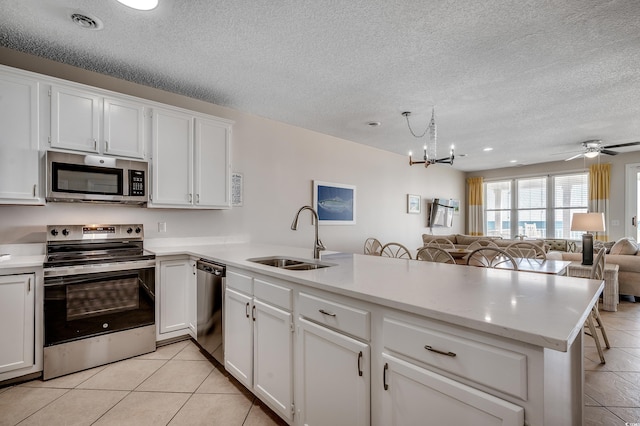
(475, 222)
(599, 186)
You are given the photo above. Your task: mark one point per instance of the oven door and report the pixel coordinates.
(86, 305)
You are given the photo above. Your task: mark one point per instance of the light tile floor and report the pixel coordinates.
(612, 390)
(177, 385)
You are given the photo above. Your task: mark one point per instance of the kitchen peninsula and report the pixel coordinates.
(373, 340)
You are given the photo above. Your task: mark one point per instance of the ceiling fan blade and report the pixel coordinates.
(609, 152)
(622, 145)
(575, 156)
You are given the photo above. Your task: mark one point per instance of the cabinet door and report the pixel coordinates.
(238, 336)
(335, 378)
(75, 119)
(273, 357)
(19, 158)
(123, 128)
(212, 164)
(17, 324)
(172, 159)
(413, 394)
(176, 283)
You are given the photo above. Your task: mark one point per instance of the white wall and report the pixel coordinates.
(618, 165)
(279, 163)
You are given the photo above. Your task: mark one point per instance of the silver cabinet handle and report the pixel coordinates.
(253, 313)
(359, 359)
(197, 198)
(329, 314)
(190, 197)
(35, 190)
(106, 146)
(29, 286)
(246, 310)
(431, 349)
(95, 144)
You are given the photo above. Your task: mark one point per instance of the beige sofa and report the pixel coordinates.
(463, 241)
(623, 253)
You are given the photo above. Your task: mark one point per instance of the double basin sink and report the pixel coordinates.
(290, 263)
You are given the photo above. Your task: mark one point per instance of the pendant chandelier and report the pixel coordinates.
(431, 147)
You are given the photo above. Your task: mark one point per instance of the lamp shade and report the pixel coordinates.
(588, 222)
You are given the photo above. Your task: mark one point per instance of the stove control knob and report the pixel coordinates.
(65, 232)
(138, 230)
(130, 230)
(54, 232)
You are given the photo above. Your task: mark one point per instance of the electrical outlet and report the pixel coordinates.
(162, 226)
(615, 222)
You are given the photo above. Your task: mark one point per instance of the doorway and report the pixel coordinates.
(632, 209)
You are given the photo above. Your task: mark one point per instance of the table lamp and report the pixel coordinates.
(587, 222)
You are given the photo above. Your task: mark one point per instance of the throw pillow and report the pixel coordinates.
(624, 246)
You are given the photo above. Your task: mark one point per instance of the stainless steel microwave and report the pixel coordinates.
(94, 178)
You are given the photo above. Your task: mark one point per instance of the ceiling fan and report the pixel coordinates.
(593, 148)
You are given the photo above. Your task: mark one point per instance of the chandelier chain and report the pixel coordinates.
(406, 116)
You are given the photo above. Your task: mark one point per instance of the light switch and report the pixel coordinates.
(162, 226)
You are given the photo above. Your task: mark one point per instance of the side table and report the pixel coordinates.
(610, 297)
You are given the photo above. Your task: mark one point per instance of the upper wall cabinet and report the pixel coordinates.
(19, 157)
(85, 121)
(190, 161)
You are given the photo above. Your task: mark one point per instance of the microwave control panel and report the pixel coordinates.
(136, 183)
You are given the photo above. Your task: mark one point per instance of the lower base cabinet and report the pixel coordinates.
(334, 378)
(17, 322)
(176, 298)
(259, 340)
(413, 395)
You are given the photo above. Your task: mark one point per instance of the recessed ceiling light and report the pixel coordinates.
(373, 123)
(488, 149)
(513, 161)
(87, 22)
(140, 4)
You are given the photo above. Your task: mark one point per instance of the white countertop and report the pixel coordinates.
(543, 310)
(21, 261)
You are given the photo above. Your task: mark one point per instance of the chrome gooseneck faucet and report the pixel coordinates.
(317, 245)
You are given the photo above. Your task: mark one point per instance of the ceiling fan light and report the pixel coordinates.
(591, 154)
(140, 4)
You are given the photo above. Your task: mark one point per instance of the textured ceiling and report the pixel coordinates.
(531, 79)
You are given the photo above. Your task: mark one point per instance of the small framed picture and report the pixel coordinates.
(413, 204)
(335, 203)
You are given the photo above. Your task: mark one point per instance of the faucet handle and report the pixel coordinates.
(320, 245)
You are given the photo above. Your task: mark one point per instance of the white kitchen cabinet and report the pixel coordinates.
(412, 395)
(259, 339)
(17, 322)
(190, 160)
(20, 181)
(85, 121)
(334, 378)
(238, 335)
(175, 298)
(333, 365)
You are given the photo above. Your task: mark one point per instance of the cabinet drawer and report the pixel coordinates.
(335, 315)
(497, 368)
(273, 293)
(239, 282)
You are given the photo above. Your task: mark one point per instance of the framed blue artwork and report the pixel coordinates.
(335, 203)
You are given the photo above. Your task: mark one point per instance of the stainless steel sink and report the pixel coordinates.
(290, 263)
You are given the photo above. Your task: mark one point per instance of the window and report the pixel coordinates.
(535, 207)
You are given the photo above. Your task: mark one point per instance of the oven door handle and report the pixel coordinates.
(98, 268)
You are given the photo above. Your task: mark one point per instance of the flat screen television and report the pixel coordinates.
(441, 213)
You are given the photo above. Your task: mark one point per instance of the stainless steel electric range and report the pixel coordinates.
(99, 297)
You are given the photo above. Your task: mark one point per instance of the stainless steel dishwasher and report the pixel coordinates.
(210, 283)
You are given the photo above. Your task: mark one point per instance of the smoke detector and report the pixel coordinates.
(86, 21)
